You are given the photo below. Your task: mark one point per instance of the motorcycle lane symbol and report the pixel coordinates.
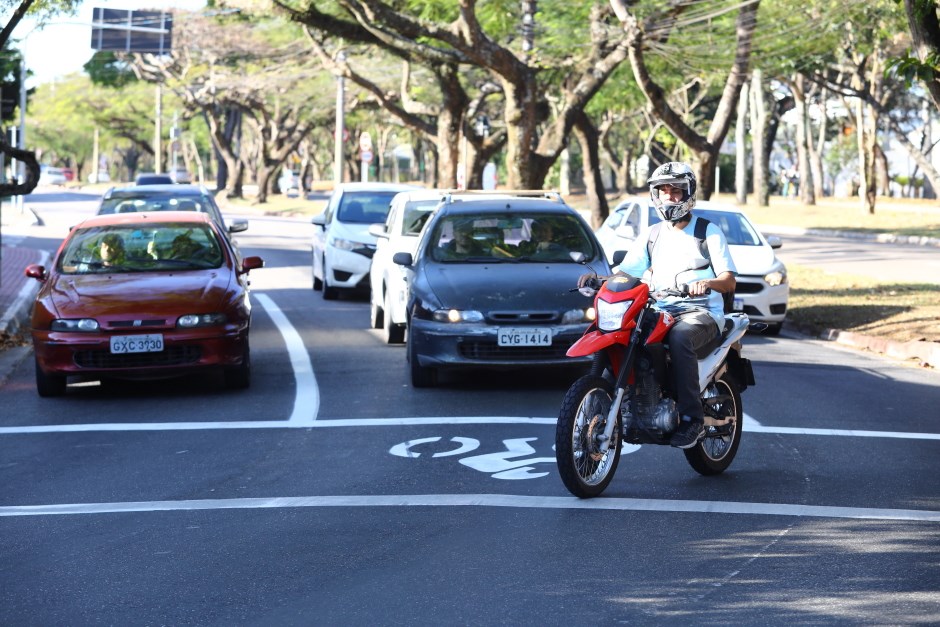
(501, 465)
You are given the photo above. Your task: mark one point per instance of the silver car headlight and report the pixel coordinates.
(574, 316)
(456, 315)
(82, 325)
(610, 315)
(192, 321)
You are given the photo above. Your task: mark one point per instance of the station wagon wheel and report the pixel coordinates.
(48, 385)
(421, 376)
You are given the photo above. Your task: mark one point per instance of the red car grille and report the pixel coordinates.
(494, 352)
(171, 356)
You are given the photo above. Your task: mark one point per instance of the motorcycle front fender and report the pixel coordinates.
(595, 341)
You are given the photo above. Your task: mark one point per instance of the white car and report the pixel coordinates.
(342, 246)
(762, 290)
(288, 182)
(399, 234)
(51, 176)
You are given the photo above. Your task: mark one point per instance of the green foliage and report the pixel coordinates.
(910, 69)
(107, 69)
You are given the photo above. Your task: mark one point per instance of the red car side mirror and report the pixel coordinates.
(36, 271)
(251, 263)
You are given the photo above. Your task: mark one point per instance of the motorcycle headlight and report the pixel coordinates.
(456, 315)
(610, 315)
(574, 316)
(192, 321)
(83, 325)
(344, 244)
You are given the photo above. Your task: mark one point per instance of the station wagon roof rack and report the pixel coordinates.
(548, 194)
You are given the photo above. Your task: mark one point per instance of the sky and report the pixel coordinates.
(63, 46)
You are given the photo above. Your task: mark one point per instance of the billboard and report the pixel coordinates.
(121, 30)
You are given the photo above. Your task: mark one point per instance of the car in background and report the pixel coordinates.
(49, 175)
(101, 176)
(485, 293)
(342, 247)
(387, 281)
(181, 176)
(153, 178)
(142, 296)
(69, 174)
(762, 290)
(288, 182)
(167, 197)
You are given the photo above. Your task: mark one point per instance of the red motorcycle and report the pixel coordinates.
(626, 398)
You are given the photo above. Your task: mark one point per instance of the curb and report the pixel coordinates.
(884, 238)
(928, 353)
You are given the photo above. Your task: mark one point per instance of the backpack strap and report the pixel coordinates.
(701, 225)
(654, 234)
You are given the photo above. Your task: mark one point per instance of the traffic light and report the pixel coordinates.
(8, 101)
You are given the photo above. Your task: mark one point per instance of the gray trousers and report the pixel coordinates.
(691, 332)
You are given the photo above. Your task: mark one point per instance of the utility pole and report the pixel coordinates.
(529, 8)
(340, 124)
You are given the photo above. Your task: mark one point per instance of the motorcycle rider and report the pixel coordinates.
(700, 318)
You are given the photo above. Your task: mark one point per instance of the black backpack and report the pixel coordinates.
(701, 224)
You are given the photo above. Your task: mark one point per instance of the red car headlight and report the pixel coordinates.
(192, 321)
(81, 325)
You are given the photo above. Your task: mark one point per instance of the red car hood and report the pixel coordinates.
(164, 293)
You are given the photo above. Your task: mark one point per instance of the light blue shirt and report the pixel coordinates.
(673, 251)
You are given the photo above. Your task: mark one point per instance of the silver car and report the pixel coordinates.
(762, 291)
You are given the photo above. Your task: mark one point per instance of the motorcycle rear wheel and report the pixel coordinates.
(715, 452)
(584, 469)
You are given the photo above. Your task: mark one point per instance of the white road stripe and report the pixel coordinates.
(481, 500)
(295, 423)
(307, 399)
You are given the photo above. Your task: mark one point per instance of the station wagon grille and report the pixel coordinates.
(517, 317)
(171, 356)
(493, 352)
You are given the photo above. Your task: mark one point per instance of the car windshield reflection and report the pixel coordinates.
(137, 248)
(509, 238)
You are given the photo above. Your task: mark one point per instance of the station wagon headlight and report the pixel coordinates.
(456, 315)
(610, 315)
(574, 316)
(82, 325)
(192, 321)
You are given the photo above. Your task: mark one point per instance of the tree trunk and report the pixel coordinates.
(740, 144)
(759, 125)
(587, 136)
(816, 147)
(798, 87)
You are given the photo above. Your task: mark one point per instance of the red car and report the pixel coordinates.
(142, 296)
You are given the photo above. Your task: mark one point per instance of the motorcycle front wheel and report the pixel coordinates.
(715, 452)
(585, 469)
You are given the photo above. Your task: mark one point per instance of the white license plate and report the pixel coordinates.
(152, 343)
(738, 304)
(525, 337)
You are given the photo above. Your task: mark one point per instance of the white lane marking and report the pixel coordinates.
(307, 399)
(480, 500)
(749, 426)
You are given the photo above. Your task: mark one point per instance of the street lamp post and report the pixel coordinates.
(340, 130)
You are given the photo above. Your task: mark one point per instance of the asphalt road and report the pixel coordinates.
(331, 492)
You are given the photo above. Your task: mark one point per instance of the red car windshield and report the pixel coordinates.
(141, 248)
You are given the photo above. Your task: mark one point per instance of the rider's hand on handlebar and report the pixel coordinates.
(699, 288)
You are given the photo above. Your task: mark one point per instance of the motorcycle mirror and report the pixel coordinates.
(578, 257)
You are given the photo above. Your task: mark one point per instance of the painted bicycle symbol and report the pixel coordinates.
(514, 463)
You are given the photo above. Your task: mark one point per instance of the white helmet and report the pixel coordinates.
(678, 175)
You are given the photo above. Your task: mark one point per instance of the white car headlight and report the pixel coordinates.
(610, 315)
(456, 315)
(344, 244)
(777, 277)
(85, 325)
